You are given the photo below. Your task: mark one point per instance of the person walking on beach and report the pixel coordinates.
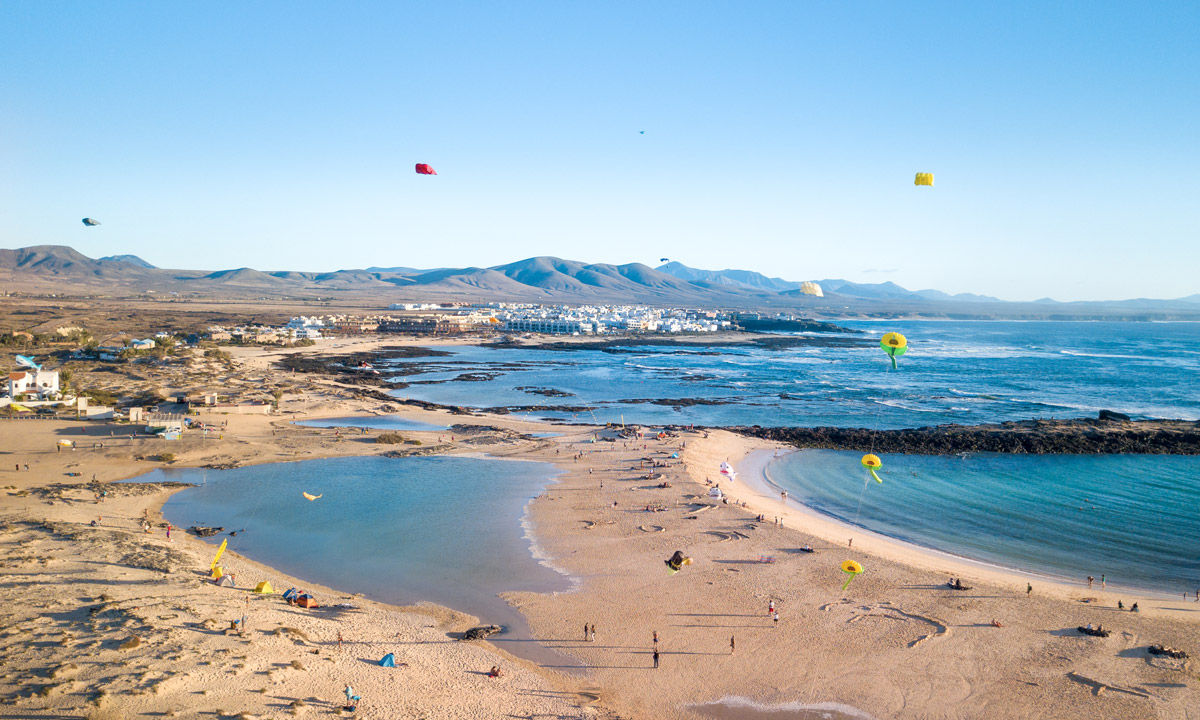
(1028, 589)
(1090, 581)
(585, 632)
(593, 637)
(655, 656)
(775, 619)
(771, 607)
(732, 645)
(656, 640)
(1102, 583)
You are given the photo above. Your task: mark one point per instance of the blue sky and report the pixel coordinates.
(779, 137)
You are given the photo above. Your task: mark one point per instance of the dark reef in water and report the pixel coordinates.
(1108, 434)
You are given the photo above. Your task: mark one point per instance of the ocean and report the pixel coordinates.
(954, 372)
(1130, 517)
(449, 530)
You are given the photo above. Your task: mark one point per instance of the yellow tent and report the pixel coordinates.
(264, 587)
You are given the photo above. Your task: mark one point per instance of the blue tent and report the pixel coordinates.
(388, 660)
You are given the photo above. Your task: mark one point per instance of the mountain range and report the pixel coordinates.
(58, 269)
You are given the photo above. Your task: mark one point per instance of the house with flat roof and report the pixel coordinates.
(40, 383)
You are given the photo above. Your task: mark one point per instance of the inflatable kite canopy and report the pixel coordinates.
(425, 169)
(924, 179)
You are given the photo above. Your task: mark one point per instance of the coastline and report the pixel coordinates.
(850, 648)
(764, 496)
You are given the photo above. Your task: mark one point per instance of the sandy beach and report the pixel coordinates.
(109, 621)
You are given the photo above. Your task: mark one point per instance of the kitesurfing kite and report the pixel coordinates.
(677, 561)
(895, 345)
(852, 570)
(28, 362)
(872, 463)
(728, 471)
(924, 179)
(425, 169)
(664, 259)
(88, 222)
(311, 497)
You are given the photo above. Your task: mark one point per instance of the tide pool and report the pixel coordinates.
(447, 530)
(1132, 518)
(376, 422)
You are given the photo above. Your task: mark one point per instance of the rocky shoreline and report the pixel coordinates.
(1081, 436)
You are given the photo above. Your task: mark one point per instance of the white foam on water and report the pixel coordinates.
(542, 557)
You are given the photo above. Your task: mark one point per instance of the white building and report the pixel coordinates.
(42, 383)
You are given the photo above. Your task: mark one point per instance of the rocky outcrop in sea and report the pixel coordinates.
(1108, 434)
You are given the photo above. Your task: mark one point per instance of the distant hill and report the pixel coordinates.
(59, 269)
(737, 278)
(128, 259)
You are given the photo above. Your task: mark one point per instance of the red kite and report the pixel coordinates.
(425, 169)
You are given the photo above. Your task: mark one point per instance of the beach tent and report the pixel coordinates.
(290, 594)
(225, 581)
(264, 587)
(307, 601)
(388, 660)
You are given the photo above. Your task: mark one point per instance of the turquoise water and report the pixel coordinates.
(378, 422)
(965, 372)
(443, 529)
(1133, 518)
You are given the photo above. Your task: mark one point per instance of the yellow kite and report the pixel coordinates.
(924, 179)
(220, 551)
(852, 570)
(872, 463)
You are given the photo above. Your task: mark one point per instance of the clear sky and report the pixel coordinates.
(779, 136)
